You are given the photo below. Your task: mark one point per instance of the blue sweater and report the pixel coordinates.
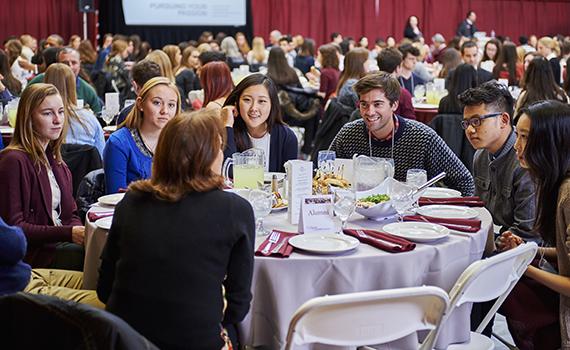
(123, 162)
(14, 273)
(93, 136)
(283, 146)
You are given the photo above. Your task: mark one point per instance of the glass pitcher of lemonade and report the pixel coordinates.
(247, 168)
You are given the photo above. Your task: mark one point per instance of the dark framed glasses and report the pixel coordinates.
(476, 121)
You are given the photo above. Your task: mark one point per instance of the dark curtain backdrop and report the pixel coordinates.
(382, 18)
(112, 20)
(40, 18)
(312, 18)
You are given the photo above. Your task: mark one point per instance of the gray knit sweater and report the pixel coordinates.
(416, 146)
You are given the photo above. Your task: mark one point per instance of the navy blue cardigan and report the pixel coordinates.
(283, 146)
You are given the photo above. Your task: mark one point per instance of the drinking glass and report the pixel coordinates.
(261, 202)
(326, 160)
(107, 116)
(416, 177)
(402, 199)
(419, 93)
(344, 205)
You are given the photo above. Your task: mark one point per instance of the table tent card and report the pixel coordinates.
(300, 184)
(317, 214)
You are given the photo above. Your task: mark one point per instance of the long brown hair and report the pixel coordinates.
(62, 77)
(507, 60)
(329, 57)
(25, 138)
(187, 147)
(353, 66)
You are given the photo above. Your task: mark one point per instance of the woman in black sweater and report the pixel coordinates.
(176, 238)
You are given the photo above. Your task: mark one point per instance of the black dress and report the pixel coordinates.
(164, 264)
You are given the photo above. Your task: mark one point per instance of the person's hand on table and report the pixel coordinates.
(508, 240)
(78, 234)
(228, 114)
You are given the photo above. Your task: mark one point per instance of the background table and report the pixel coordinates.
(425, 115)
(280, 286)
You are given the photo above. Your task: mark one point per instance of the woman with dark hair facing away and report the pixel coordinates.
(506, 65)
(412, 29)
(216, 80)
(538, 84)
(464, 77)
(328, 58)
(169, 230)
(279, 70)
(355, 67)
(298, 106)
(306, 57)
(252, 117)
(36, 184)
(536, 319)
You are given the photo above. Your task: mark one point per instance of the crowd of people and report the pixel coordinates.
(191, 107)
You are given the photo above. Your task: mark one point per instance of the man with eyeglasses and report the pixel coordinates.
(502, 184)
(382, 133)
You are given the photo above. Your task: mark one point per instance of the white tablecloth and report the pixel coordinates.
(280, 286)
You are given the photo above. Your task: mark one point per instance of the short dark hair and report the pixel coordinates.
(409, 49)
(492, 94)
(286, 38)
(389, 59)
(334, 35)
(211, 56)
(144, 71)
(523, 40)
(469, 13)
(379, 80)
(467, 45)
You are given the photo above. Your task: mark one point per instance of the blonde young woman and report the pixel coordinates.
(174, 55)
(129, 151)
(549, 49)
(161, 58)
(258, 54)
(84, 128)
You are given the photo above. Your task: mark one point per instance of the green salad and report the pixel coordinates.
(376, 198)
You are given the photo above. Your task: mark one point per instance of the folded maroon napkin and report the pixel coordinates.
(465, 225)
(465, 201)
(96, 216)
(279, 249)
(382, 240)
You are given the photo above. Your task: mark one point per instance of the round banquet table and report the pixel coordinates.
(425, 115)
(280, 286)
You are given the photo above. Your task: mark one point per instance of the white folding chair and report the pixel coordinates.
(376, 317)
(485, 280)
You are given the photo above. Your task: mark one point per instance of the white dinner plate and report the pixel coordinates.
(447, 212)
(330, 243)
(417, 231)
(425, 106)
(441, 192)
(104, 223)
(111, 199)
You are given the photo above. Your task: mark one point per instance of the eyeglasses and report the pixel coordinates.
(476, 121)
